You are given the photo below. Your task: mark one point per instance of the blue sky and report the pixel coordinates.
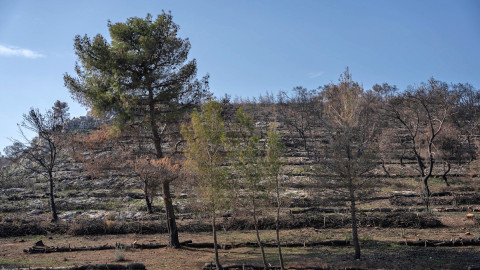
(247, 47)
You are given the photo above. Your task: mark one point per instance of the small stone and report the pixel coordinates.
(39, 244)
(67, 216)
(35, 212)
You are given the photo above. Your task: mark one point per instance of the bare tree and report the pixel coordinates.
(451, 148)
(40, 154)
(466, 118)
(302, 115)
(424, 110)
(408, 115)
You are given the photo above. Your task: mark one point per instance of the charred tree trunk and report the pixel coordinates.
(426, 189)
(353, 212)
(52, 198)
(255, 220)
(277, 225)
(148, 201)
(421, 165)
(149, 204)
(384, 168)
(404, 149)
(470, 146)
(446, 170)
(170, 213)
(215, 245)
(167, 197)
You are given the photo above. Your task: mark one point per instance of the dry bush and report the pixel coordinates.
(87, 227)
(154, 171)
(402, 220)
(97, 227)
(119, 254)
(89, 149)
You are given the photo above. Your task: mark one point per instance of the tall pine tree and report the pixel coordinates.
(143, 77)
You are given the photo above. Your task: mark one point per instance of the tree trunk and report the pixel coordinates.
(167, 197)
(445, 172)
(149, 204)
(402, 156)
(170, 213)
(384, 168)
(52, 198)
(353, 212)
(426, 189)
(147, 199)
(215, 245)
(470, 146)
(421, 165)
(277, 226)
(255, 220)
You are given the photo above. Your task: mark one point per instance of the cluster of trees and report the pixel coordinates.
(226, 159)
(166, 127)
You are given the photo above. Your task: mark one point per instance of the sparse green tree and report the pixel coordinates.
(351, 151)
(247, 156)
(273, 166)
(205, 151)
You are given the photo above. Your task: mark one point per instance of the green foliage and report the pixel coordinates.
(256, 162)
(142, 74)
(247, 154)
(275, 149)
(206, 138)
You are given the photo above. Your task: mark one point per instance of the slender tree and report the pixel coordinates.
(272, 165)
(205, 151)
(351, 152)
(247, 157)
(40, 154)
(143, 77)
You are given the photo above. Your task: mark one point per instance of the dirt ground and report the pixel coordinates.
(380, 249)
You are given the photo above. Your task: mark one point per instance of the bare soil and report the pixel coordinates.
(380, 249)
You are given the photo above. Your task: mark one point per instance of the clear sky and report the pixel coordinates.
(247, 47)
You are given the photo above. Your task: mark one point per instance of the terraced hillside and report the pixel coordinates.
(117, 196)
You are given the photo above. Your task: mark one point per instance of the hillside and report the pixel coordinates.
(118, 194)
